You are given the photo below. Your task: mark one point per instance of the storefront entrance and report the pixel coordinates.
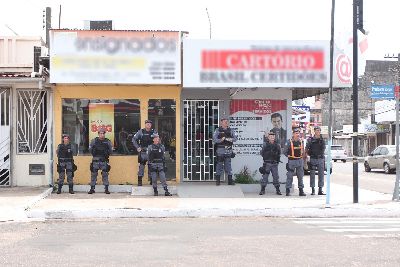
(200, 119)
(5, 117)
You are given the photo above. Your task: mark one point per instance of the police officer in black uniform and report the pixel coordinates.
(315, 148)
(223, 137)
(101, 149)
(271, 153)
(141, 140)
(156, 158)
(65, 164)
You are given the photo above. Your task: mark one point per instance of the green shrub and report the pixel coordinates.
(245, 176)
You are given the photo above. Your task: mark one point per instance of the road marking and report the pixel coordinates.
(355, 227)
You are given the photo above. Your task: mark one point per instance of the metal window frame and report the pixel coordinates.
(205, 157)
(29, 121)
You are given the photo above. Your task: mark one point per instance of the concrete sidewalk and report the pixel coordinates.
(15, 201)
(122, 205)
(21, 204)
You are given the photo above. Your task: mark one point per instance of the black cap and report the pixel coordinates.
(65, 135)
(148, 121)
(271, 133)
(101, 130)
(296, 130)
(317, 128)
(224, 118)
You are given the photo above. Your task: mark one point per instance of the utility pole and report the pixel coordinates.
(328, 164)
(209, 21)
(397, 96)
(357, 25)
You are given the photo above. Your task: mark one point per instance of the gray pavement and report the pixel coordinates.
(200, 242)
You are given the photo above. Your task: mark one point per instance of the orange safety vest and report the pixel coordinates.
(292, 148)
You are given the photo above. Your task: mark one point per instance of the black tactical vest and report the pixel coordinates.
(271, 152)
(316, 147)
(146, 139)
(64, 151)
(156, 153)
(224, 133)
(101, 148)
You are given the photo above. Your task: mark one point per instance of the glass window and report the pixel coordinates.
(82, 118)
(377, 151)
(384, 151)
(163, 114)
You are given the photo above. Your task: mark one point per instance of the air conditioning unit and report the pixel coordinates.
(100, 25)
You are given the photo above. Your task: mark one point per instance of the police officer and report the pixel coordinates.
(65, 164)
(155, 153)
(100, 148)
(271, 153)
(223, 137)
(294, 150)
(315, 148)
(141, 140)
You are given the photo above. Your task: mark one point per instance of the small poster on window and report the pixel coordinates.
(101, 116)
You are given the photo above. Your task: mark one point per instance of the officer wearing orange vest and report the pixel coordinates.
(294, 150)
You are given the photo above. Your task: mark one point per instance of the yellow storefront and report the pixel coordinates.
(116, 80)
(123, 167)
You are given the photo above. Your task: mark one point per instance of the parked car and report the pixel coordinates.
(338, 153)
(383, 157)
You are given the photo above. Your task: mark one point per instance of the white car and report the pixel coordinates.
(338, 153)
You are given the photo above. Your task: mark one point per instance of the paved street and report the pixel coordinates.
(375, 180)
(201, 242)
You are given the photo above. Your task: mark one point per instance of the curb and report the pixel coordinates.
(38, 198)
(213, 212)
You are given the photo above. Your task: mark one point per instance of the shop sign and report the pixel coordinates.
(382, 128)
(255, 63)
(122, 57)
(382, 91)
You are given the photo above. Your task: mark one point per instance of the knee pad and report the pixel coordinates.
(108, 167)
(261, 170)
(91, 167)
(220, 158)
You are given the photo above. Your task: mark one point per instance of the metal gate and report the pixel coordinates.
(5, 117)
(201, 118)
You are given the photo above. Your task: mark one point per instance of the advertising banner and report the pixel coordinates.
(301, 118)
(101, 116)
(220, 63)
(124, 57)
(251, 119)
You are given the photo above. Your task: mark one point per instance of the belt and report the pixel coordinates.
(65, 160)
(157, 161)
(317, 157)
(97, 159)
(291, 158)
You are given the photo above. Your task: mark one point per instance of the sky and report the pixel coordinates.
(230, 20)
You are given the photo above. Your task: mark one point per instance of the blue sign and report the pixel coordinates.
(382, 91)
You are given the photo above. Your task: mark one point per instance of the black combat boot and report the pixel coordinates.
(262, 192)
(278, 190)
(155, 191)
(230, 180)
(106, 190)
(91, 191)
(312, 191)
(287, 192)
(140, 180)
(167, 194)
(71, 189)
(217, 179)
(59, 189)
(320, 192)
(301, 192)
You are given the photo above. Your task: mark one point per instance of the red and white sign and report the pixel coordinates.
(215, 63)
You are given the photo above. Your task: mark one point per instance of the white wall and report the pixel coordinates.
(254, 162)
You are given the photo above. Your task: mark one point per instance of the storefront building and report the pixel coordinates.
(251, 82)
(116, 80)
